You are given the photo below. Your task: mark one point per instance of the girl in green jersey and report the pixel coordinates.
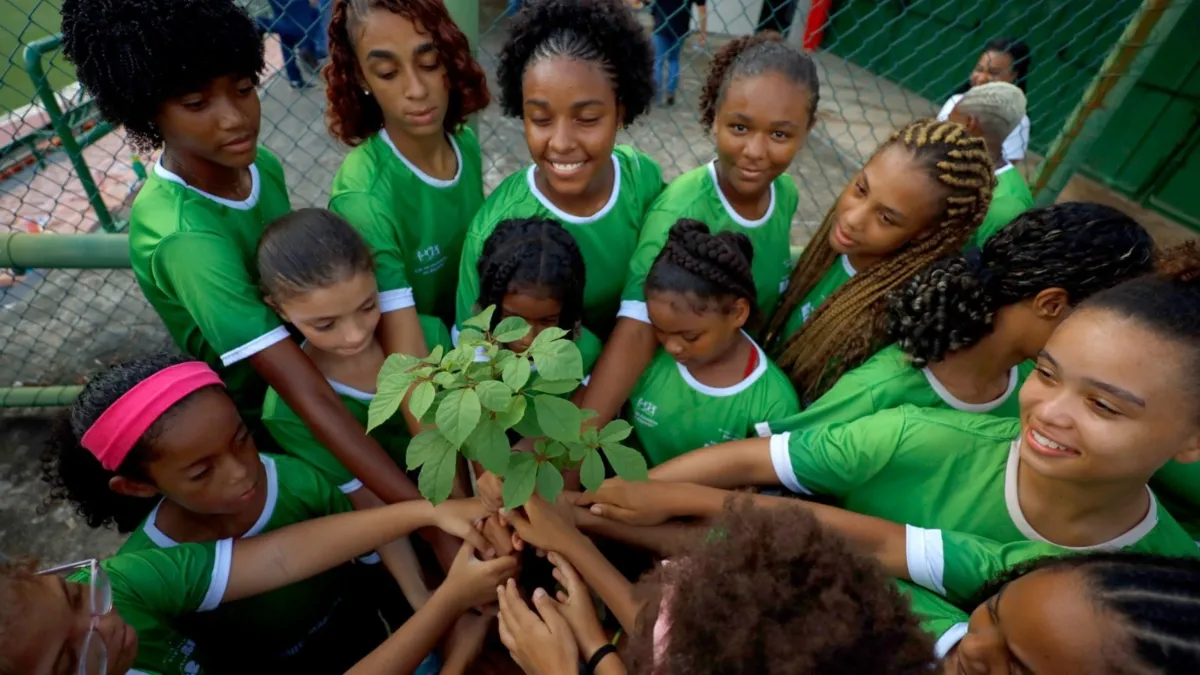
(575, 72)
(709, 382)
(156, 447)
(918, 198)
(760, 102)
(182, 76)
(965, 328)
(122, 615)
(402, 83)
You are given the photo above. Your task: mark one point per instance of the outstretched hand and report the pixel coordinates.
(460, 518)
(549, 527)
(632, 503)
(541, 645)
(473, 581)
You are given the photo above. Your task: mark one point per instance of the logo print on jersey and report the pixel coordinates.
(431, 259)
(643, 413)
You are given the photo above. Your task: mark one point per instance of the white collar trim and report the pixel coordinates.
(1013, 501)
(426, 178)
(744, 222)
(567, 217)
(347, 390)
(958, 404)
(244, 205)
(161, 539)
(1004, 169)
(731, 390)
(850, 271)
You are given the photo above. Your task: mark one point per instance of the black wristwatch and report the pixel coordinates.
(589, 668)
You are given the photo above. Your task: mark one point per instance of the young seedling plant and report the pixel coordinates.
(479, 390)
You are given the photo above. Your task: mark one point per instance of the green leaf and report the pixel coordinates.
(425, 446)
(516, 411)
(528, 426)
(577, 451)
(489, 446)
(469, 337)
(398, 363)
(516, 373)
(458, 415)
(389, 392)
(510, 330)
(627, 462)
(422, 398)
(495, 396)
(590, 436)
(551, 449)
(549, 482)
(447, 380)
(559, 360)
(614, 431)
(519, 479)
(437, 476)
(435, 355)
(591, 472)
(547, 336)
(482, 320)
(558, 418)
(549, 386)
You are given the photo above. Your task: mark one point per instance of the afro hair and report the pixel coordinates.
(602, 31)
(133, 55)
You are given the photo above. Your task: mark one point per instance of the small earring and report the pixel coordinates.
(366, 92)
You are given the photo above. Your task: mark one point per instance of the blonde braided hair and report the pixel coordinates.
(848, 326)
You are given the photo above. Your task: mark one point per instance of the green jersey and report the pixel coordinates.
(838, 274)
(926, 467)
(293, 435)
(414, 223)
(193, 256)
(889, 380)
(697, 195)
(606, 239)
(1179, 487)
(273, 623)
(942, 620)
(672, 412)
(958, 565)
(153, 589)
(1010, 199)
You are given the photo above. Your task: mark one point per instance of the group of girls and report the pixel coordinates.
(968, 411)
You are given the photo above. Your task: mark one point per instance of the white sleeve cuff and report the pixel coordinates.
(401, 298)
(926, 560)
(222, 564)
(781, 459)
(763, 429)
(949, 640)
(634, 309)
(350, 486)
(277, 334)
(371, 558)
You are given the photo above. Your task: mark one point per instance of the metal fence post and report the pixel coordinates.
(466, 14)
(1126, 62)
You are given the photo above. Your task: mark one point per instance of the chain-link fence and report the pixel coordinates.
(881, 64)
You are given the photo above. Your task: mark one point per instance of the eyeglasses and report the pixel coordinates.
(93, 656)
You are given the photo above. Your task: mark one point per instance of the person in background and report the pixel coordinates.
(1002, 60)
(672, 22)
(992, 111)
(776, 16)
(301, 37)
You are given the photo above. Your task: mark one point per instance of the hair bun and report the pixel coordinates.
(1180, 262)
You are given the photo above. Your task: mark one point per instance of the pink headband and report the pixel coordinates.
(117, 430)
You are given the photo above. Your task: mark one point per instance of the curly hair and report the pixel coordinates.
(353, 115)
(604, 32)
(710, 267)
(1152, 597)
(76, 476)
(851, 323)
(1167, 302)
(1079, 247)
(134, 55)
(754, 55)
(534, 255)
(770, 591)
(309, 249)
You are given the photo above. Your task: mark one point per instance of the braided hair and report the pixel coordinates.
(533, 254)
(714, 268)
(1079, 247)
(604, 32)
(851, 323)
(134, 55)
(74, 473)
(754, 55)
(1154, 598)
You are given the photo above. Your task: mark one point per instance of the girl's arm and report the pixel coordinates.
(287, 555)
(728, 465)
(666, 540)
(397, 555)
(626, 356)
(290, 372)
